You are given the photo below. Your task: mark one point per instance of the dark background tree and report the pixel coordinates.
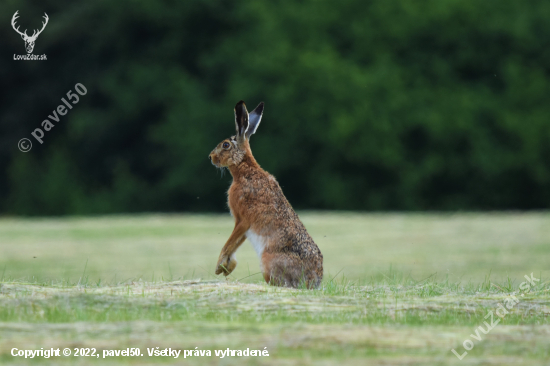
(370, 105)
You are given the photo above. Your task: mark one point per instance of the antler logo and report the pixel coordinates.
(29, 41)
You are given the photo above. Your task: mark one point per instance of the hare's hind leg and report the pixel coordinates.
(287, 270)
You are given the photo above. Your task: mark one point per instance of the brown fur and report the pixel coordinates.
(290, 257)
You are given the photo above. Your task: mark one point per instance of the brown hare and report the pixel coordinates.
(288, 256)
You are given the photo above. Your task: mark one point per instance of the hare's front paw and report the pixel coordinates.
(226, 265)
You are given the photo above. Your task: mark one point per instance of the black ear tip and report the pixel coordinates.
(240, 107)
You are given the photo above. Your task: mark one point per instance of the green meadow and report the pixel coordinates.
(399, 289)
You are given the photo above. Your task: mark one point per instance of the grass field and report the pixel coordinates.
(399, 289)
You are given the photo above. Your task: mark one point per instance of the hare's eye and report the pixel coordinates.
(226, 145)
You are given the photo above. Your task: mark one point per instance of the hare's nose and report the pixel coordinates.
(210, 157)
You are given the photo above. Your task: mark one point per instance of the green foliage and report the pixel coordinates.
(369, 105)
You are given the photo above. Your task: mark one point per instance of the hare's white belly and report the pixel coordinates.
(258, 242)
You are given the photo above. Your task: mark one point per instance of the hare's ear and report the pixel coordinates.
(254, 120)
(241, 121)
